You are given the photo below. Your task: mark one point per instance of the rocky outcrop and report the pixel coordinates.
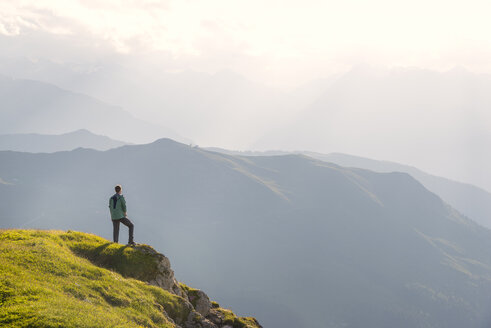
(202, 312)
(198, 299)
(201, 302)
(163, 276)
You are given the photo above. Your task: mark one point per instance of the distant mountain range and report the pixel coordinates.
(468, 199)
(436, 121)
(45, 143)
(297, 241)
(208, 108)
(37, 107)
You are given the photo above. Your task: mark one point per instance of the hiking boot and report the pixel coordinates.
(132, 244)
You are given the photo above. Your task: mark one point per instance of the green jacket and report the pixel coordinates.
(117, 206)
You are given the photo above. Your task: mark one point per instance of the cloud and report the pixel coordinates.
(116, 22)
(284, 42)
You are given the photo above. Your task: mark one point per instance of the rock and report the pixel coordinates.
(202, 312)
(201, 301)
(164, 275)
(198, 298)
(196, 320)
(215, 316)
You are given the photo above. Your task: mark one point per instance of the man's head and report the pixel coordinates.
(118, 189)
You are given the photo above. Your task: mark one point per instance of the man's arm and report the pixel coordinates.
(123, 205)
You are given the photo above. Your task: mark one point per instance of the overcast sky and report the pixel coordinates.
(280, 43)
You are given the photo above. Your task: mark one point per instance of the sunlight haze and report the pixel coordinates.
(304, 164)
(370, 78)
(281, 43)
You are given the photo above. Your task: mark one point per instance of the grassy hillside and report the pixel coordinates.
(470, 200)
(73, 279)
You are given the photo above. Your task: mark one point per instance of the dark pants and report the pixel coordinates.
(127, 223)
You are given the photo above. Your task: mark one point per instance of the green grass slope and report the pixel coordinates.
(73, 279)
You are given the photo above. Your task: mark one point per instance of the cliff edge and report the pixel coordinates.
(74, 279)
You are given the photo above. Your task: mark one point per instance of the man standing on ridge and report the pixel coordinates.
(117, 207)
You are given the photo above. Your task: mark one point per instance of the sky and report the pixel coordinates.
(287, 50)
(280, 43)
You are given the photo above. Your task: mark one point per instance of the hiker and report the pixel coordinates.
(117, 207)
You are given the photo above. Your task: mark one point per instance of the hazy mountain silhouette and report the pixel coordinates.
(437, 121)
(468, 199)
(371, 112)
(297, 241)
(36, 107)
(189, 101)
(195, 104)
(47, 143)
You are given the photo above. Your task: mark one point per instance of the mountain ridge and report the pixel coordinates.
(49, 143)
(470, 200)
(361, 109)
(31, 106)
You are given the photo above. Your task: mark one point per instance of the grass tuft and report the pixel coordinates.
(229, 318)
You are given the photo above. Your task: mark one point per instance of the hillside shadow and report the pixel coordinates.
(111, 259)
